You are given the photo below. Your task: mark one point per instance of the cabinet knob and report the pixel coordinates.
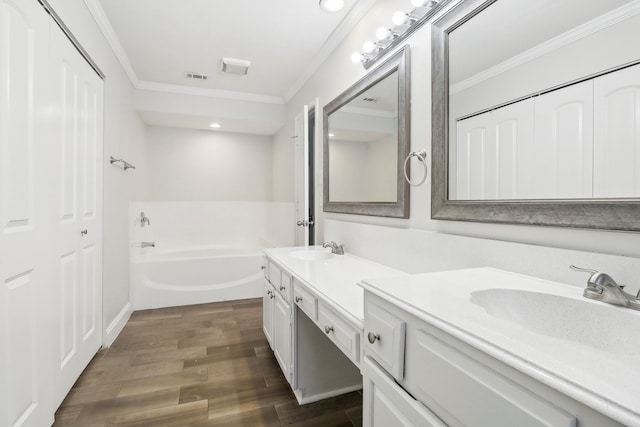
(373, 337)
(298, 299)
(84, 232)
(272, 296)
(282, 288)
(263, 267)
(269, 292)
(328, 329)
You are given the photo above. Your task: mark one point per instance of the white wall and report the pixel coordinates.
(124, 135)
(338, 73)
(194, 165)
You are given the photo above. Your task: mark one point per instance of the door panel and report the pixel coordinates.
(302, 177)
(77, 107)
(25, 327)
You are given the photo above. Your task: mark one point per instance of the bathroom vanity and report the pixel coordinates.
(475, 347)
(314, 317)
(486, 347)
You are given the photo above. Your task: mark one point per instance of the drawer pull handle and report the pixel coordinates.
(373, 337)
(298, 299)
(282, 288)
(328, 329)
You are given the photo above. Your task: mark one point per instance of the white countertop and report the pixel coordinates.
(586, 349)
(335, 279)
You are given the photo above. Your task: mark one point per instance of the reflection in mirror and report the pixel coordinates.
(528, 114)
(363, 146)
(540, 126)
(366, 139)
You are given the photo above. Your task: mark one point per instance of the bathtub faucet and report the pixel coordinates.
(144, 219)
(145, 245)
(335, 248)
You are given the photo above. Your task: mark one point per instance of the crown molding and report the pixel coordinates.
(585, 30)
(357, 12)
(211, 93)
(105, 26)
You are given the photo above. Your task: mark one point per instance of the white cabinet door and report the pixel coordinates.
(77, 214)
(25, 197)
(387, 404)
(617, 134)
(563, 152)
(267, 312)
(282, 335)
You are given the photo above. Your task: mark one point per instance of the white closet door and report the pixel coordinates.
(617, 134)
(77, 107)
(564, 143)
(494, 153)
(472, 137)
(25, 197)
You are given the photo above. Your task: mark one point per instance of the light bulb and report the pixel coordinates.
(368, 47)
(382, 33)
(356, 57)
(215, 125)
(399, 18)
(331, 5)
(418, 3)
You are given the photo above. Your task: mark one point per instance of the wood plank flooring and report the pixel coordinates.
(195, 366)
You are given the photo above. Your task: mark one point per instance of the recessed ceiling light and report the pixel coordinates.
(215, 125)
(331, 5)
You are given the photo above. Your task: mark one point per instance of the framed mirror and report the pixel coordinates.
(536, 113)
(366, 139)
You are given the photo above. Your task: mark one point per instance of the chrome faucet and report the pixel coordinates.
(602, 287)
(144, 219)
(335, 248)
(145, 245)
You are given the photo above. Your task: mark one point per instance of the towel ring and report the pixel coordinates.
(422, 156)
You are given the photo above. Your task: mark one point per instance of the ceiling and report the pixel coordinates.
(285, 41)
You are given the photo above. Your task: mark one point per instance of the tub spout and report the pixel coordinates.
(145, 245)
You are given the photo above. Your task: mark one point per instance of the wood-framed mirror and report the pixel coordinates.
(366, 139)
(529, 126)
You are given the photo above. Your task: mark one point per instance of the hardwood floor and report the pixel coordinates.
(195, 366)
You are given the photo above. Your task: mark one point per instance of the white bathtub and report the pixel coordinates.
(195, 276)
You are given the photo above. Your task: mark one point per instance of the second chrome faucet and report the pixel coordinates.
(335, 248)
(602, 287)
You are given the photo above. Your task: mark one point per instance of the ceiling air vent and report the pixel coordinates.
(235, 66)
(195, 76)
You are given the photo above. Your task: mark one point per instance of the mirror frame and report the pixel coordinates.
(610, 214)
(399, 62)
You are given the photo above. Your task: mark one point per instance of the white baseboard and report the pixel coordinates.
(116, 325)
(303, 400)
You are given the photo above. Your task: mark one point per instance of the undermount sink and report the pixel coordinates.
(597, 325)
(311, 254)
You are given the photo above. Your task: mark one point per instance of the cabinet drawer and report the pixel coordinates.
(344, 336)
(274, 275)
(463, 391)
(385, 403)
(384, 334)
(305, 300)
(285, 285)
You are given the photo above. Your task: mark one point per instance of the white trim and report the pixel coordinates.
(213, 93)
(105, 26)
(585, 30)
(321, 396)
(347, 25)
(117, 325)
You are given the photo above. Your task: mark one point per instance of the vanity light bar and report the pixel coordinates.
(403, 25)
